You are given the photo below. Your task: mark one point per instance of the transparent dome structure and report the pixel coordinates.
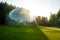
(20, 15)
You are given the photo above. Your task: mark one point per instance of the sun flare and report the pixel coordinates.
(35, 8)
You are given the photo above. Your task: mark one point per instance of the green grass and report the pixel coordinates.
(21, 33)
(29, 33)
(51, 33)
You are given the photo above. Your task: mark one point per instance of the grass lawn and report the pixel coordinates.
(51, 33)
(21, 33)
(29, 33)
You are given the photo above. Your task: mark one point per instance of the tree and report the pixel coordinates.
(38, 20)
(58, 17)
(52, 20)
(4, 10)
(44, 21)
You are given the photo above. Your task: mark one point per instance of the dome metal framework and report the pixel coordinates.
(20, 14)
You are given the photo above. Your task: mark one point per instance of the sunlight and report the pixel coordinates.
(35, 8)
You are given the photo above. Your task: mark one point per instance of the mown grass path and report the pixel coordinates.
(51, 33)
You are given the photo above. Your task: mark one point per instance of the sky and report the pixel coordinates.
(37, 7)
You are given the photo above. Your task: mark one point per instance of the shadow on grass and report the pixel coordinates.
(39, 32)
(14, 33)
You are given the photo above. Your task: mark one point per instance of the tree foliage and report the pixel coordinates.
(4, 10)
(58, 17)
(41, 20)
(55, 19)
(52, 20)
(38, 20)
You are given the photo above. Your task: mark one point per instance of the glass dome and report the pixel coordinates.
(20, 14)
